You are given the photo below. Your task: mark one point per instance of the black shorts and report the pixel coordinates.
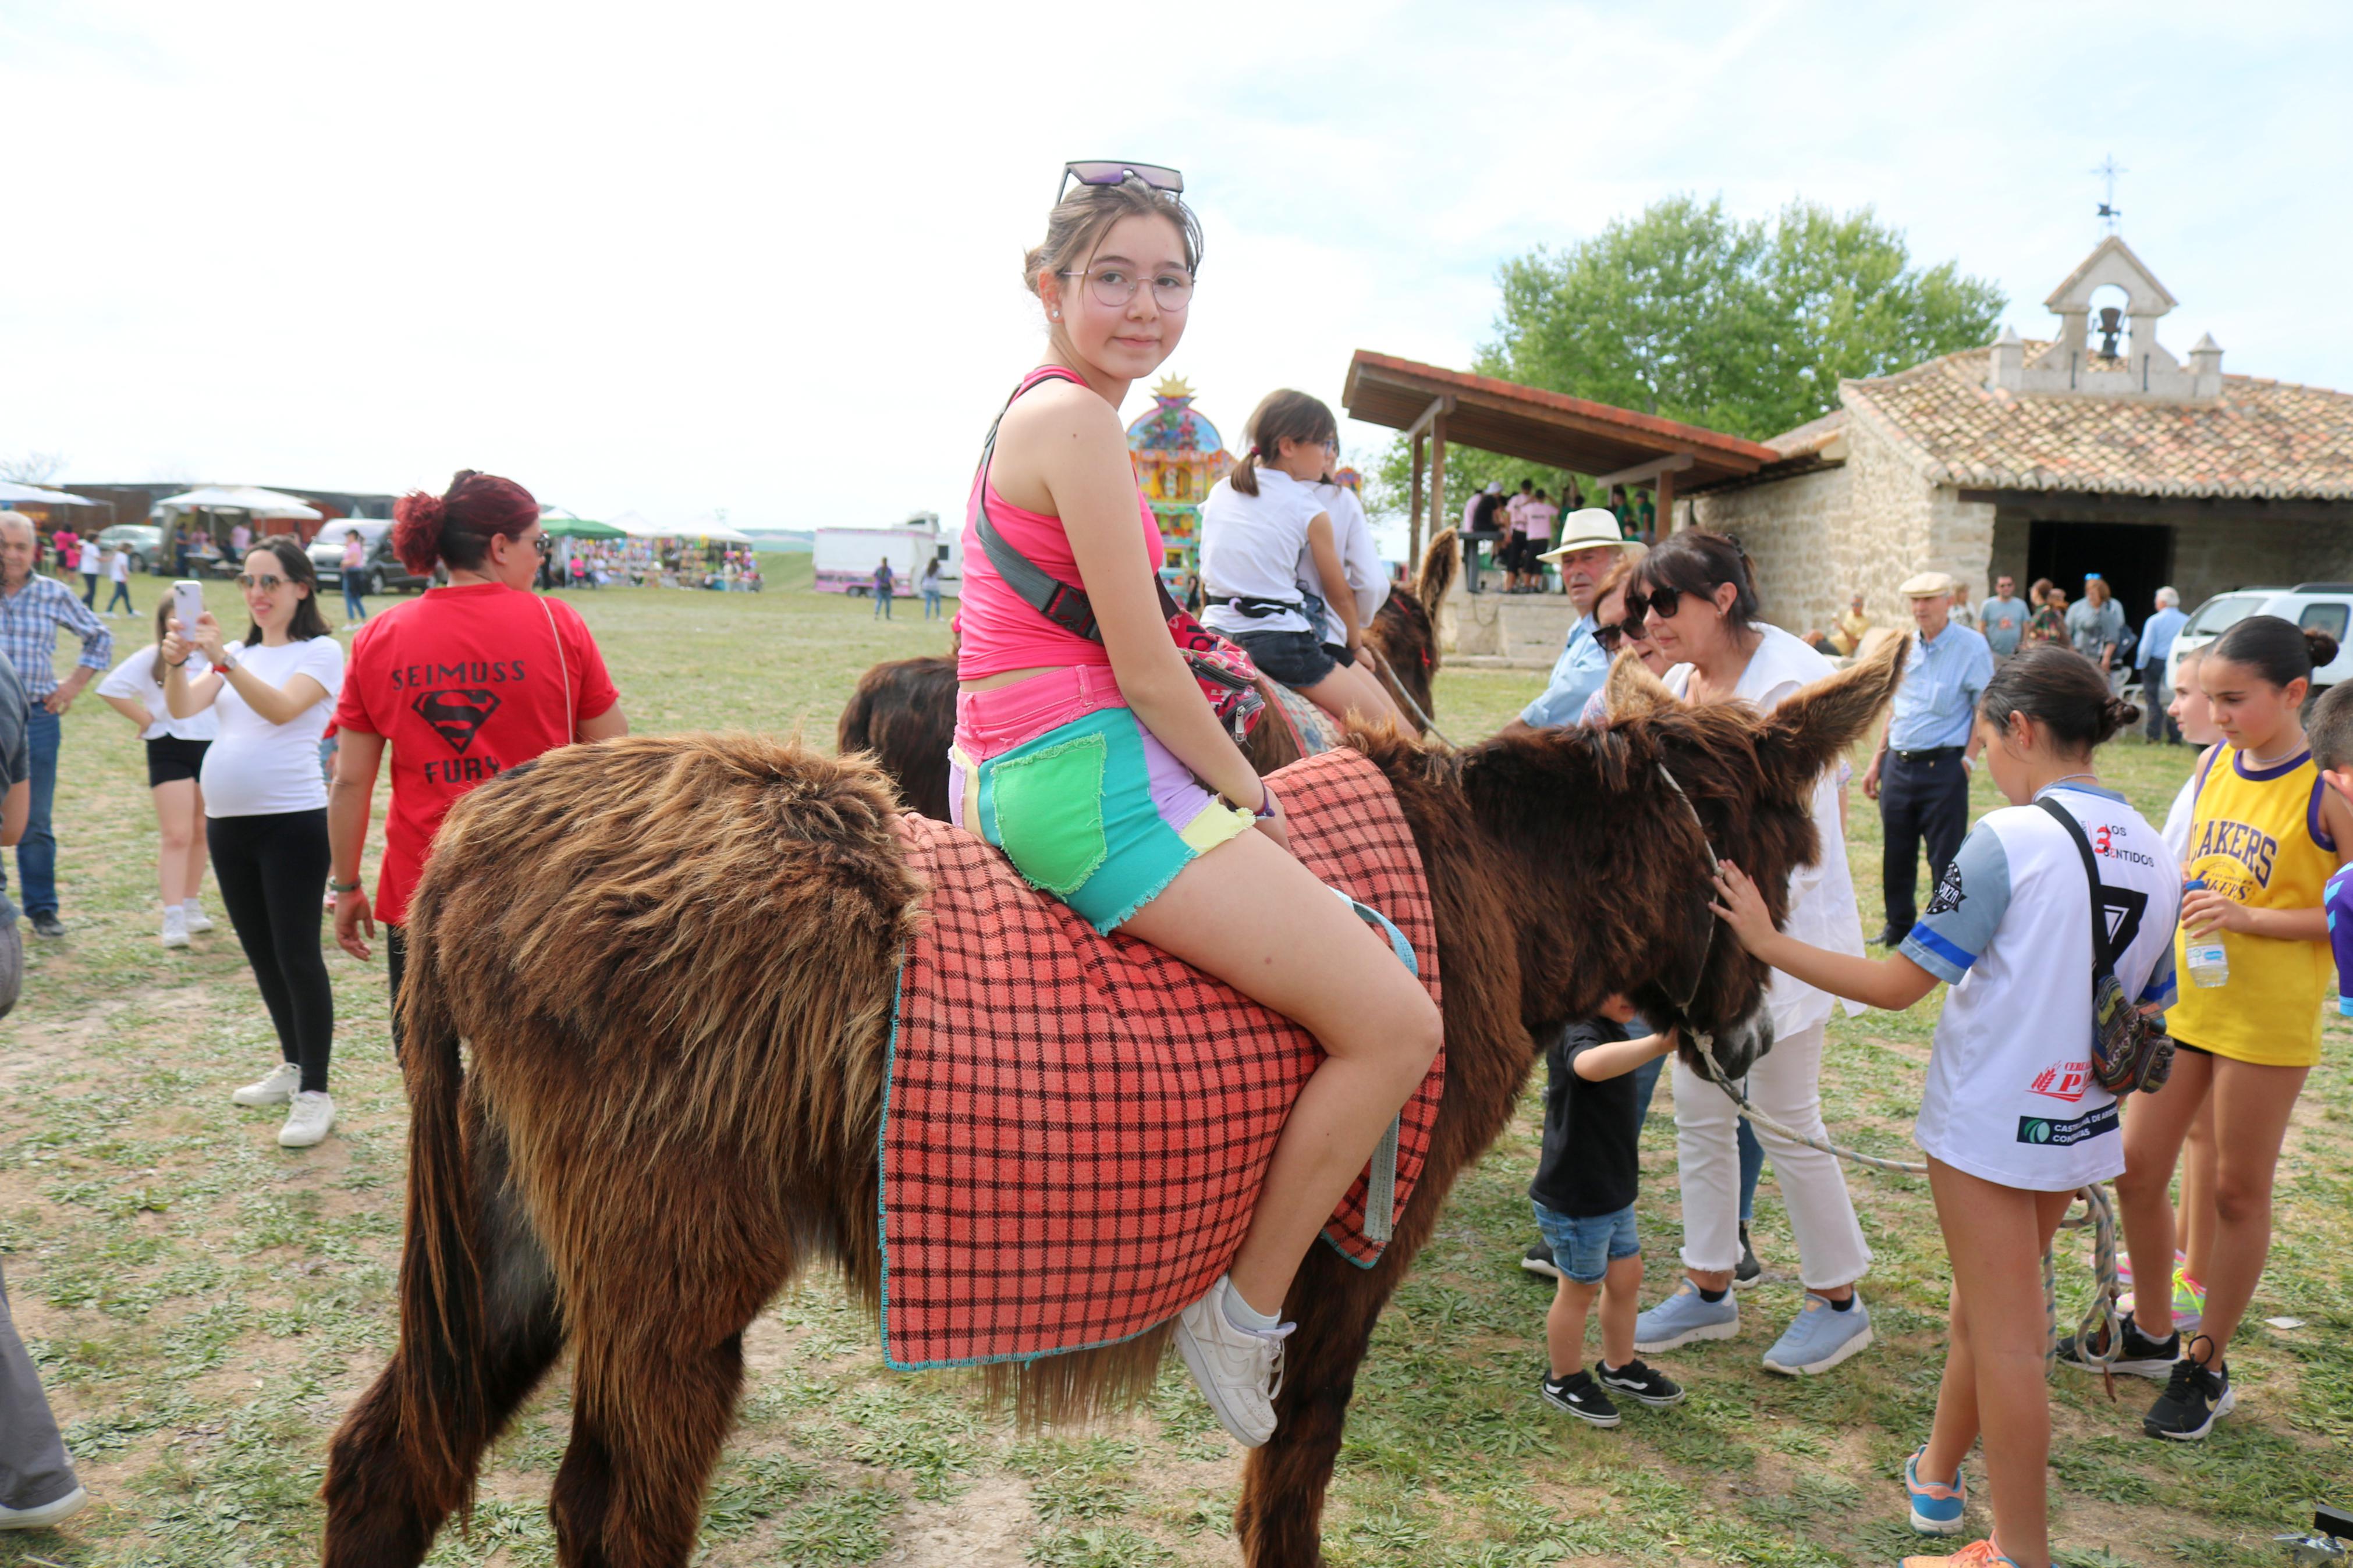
(171, 758)
(1294, 658)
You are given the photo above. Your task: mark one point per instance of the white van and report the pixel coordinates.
(2327, 606)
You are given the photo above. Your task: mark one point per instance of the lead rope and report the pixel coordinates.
(1398, 686)
(2099, 1325)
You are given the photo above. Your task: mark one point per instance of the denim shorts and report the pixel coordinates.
(1295, 658)
(1584, 1248)
(1085, 802)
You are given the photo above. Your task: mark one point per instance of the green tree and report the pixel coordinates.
(1686, 311)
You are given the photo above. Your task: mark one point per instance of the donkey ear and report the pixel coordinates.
(1632, 691)
(1808, 732)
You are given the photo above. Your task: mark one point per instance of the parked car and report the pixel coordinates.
(2327, 606)
(384, 572)
(146, 544)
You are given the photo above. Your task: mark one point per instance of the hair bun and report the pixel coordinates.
(417, 519)
(2121, 715)
(2323, 647)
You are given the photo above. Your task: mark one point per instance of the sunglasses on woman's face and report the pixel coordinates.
(1617, 632)
(1660, 602)
(266, 582)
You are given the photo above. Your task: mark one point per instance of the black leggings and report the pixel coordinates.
(272, 872)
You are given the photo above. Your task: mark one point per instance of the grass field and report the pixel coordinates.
(204, 1304)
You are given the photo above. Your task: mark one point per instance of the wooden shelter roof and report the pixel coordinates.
(1540, 426)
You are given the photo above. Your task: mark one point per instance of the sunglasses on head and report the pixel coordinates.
(1617, 632)
(1101, 172)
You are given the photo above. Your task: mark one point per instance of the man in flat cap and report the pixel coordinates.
(1920, 776)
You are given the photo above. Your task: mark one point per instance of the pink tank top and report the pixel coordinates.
(996, 629)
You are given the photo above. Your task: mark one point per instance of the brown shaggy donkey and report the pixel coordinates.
(637, 1163)
(904, 710)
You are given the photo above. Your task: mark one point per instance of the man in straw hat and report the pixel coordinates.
(1920, 776)
(1589, 545)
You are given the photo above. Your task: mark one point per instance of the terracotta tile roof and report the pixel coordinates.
(2259, 438)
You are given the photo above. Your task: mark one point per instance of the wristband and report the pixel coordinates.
(1265, 812)
(336, 887)
(177, 663)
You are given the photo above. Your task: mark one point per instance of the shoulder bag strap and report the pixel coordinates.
(1061, 603)
(2103, 961)
(563, 673)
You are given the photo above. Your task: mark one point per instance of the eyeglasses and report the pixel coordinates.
(1113, 287)
(542, 545)
(1628, 631)
(1102, 171)
(266, 582)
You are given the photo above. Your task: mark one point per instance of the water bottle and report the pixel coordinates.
(2210, 964)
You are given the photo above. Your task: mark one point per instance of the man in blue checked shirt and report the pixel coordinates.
(1921, 775)
(32, 609)
(1589, 546)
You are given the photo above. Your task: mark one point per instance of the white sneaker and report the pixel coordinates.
(1240, 1370)
(47, 1515)
(308, 1121)
(276, 1089)
(175, 927)
(199, 923)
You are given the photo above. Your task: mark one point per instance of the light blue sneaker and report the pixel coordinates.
(1819, 1336)
(1684, 1317)
(1936, 1509)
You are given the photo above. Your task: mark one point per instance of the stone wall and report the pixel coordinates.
(1867, 525)
(2216, 546)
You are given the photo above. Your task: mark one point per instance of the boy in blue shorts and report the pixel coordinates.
(1583, 1199)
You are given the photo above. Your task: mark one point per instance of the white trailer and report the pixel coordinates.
(845, 558)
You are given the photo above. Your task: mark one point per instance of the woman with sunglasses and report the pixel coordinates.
(462, 681)
(266, 808)
(1699, 608)
(1098, 767)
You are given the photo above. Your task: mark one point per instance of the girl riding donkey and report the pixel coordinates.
(1099, 770)
(2012, 1121)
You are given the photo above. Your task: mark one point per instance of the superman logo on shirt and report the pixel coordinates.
(456, 713)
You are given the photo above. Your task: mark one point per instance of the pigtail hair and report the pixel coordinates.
(1244, 478)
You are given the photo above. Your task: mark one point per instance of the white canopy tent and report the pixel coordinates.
(709, 527)
(251, 498)
(636, 525)
(11, 492)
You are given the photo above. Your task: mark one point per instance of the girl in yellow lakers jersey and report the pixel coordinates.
(2265, 834)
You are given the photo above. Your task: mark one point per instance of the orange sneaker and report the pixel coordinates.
(1976, 1554)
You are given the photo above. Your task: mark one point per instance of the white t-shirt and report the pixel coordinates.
(1251, 547)
(1359, 558)
(89, 557)
(259, 769)
(1822, 911)
(2177, 820)
(2011, 1097)
(118, 565)
(134, 679)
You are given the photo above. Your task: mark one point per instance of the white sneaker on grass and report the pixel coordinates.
(47, 1514)
(275, 1089)
(308, 1120)
(1240, 1370)
(199, 923)
(175, 927)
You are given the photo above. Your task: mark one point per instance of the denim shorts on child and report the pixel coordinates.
(1088, 806)
(1584, 1248)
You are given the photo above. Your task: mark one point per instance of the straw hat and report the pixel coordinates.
(1591, 527)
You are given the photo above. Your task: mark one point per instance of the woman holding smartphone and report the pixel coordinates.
(175, 761)
(266, 808)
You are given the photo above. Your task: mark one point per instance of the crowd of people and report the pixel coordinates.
(644, 562)
(1085, 751)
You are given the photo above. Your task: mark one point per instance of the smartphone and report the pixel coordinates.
(187, 603)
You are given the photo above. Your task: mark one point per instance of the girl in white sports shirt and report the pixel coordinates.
(2012, 1121)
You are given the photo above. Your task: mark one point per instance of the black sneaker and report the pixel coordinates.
(1747, 1271)
(2196, 1396)
(47, 924)
(1645, 1384)
(1582, 1397)
(2141, 1356)
(1537, 1260)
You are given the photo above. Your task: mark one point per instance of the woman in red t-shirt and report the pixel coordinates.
(464, 681)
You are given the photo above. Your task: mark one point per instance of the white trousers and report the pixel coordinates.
(1786, 1086)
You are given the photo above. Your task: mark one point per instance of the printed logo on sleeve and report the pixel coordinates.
(1951, 893)
(2062, 1080)
(2066, 1134)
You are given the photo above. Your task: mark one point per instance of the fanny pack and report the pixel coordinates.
(1227, 679)
(2128, 1051)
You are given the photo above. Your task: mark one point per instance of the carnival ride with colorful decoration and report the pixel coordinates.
(1178, 455)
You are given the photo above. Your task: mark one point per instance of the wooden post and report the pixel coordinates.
(1666, 503)
(1438, 473)
(1413, 517)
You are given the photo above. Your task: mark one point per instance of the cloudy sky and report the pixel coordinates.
(765, 258)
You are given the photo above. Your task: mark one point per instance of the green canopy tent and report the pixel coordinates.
(579, 528)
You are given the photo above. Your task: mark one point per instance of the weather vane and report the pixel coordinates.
(2109, 212)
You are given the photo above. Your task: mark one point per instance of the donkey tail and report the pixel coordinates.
(443, 1340)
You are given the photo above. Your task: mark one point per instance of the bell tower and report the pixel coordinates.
(2087, 358)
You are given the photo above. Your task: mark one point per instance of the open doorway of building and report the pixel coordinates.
(2136, 559)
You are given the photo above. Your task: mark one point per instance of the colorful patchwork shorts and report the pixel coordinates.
(1057, 772)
